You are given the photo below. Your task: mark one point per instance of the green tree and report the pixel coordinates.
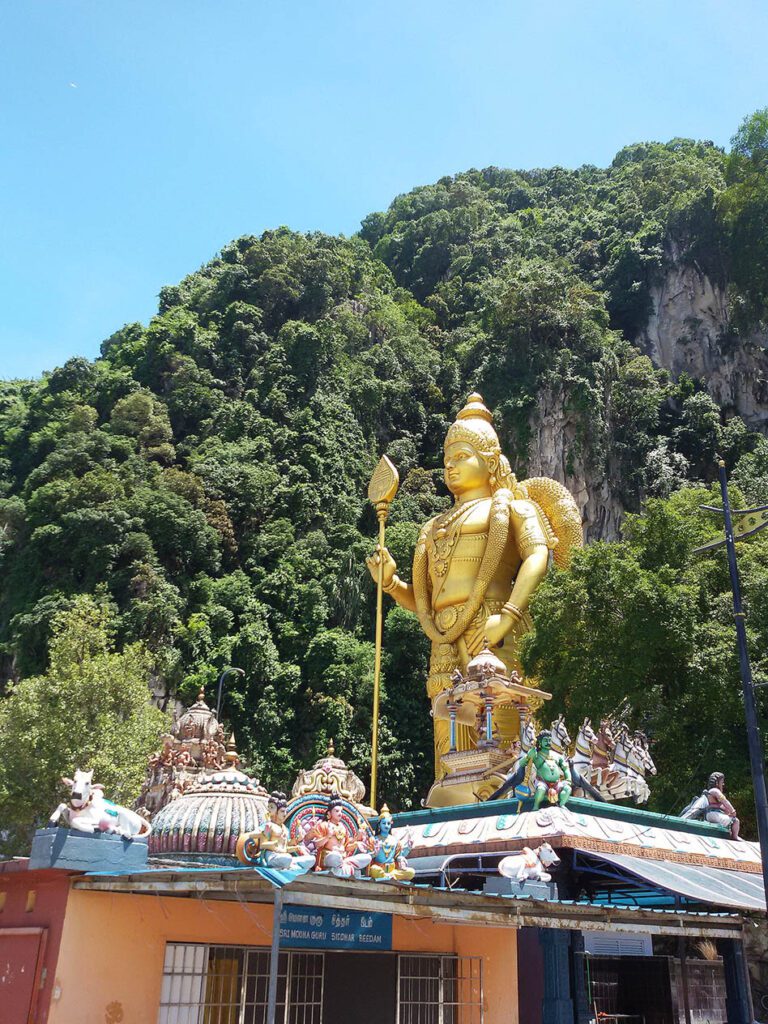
(646, 622)
(90, 710)
(744, 207)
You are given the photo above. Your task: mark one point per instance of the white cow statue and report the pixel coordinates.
(89, 811)
(530, 864)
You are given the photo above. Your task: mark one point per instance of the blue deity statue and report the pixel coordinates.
(389, 857)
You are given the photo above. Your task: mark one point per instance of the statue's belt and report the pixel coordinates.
(446, 617)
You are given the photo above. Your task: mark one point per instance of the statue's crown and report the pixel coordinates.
(474, 425)
(475, 409)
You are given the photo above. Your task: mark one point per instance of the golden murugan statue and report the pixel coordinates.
(477, 565)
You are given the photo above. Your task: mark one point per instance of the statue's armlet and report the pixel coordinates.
(527, 526)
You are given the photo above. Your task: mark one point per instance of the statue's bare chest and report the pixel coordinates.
(461, 533)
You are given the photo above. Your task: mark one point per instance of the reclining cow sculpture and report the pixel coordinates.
(89, 811)
(529, 864)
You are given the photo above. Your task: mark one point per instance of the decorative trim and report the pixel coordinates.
(647, 853)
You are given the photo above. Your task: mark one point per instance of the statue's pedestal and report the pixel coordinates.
(497, 885)
(85, 851)
(472, 775)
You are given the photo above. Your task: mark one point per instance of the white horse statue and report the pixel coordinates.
(560, 738)
(527, 736)
(88, 811)
(632, 759)
(582, 752)
(641, 763)
(530, 864)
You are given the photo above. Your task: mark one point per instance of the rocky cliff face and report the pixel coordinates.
(688, 332)
(553, 444)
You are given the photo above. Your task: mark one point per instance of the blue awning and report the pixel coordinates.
(737, 889)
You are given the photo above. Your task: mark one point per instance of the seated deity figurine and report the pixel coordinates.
(389, 857)
(553, 773)
(270, 848)
(477, 564)
(713, 806)
(336, 852)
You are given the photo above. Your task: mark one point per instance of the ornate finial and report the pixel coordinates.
(475, 409)
(232, 756)
(385, 812)
(201, 696)
(330, 775)
(384, 483)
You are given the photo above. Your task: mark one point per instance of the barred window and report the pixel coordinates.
(229, 985)
(205, 984)
(435, 989)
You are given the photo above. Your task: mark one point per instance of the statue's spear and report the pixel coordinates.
(381, 490)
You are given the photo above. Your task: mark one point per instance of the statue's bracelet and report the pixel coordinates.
(513, 610)
(392, 585)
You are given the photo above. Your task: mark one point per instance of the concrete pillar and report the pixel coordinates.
(557, 1006)
(580, 994)
(738, 998)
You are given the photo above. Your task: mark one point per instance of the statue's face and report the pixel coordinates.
(385, 827)
(465, 470)
(334, 815)
(276, 813)
(545, 745)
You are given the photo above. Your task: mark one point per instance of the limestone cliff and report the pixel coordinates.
(688, 331)
(554, 452)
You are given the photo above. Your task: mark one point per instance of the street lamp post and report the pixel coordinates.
(222, 677)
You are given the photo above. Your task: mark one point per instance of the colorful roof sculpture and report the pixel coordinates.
(329, 775)
(194, 745)
(205, 821)
(564, 827)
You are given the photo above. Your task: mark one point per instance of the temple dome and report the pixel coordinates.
(194, 745)
(205, 821)
(198, 722)
(486, 664)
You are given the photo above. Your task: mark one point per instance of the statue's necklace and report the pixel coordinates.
(445, 535)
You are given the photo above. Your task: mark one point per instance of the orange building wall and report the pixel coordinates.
(497, 946)
(31, 899)
(112, 948)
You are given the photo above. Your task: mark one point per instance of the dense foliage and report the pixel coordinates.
(644, 623)
(206, 476)
(90, 708)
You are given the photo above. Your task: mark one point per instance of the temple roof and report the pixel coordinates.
(583, 825)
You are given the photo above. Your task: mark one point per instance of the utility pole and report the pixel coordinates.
(748, 523)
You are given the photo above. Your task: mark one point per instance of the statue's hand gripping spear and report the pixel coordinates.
(381, 491)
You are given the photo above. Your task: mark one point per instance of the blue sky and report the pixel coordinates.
(138, 138)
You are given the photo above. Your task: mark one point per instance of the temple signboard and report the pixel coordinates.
(325, 928)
